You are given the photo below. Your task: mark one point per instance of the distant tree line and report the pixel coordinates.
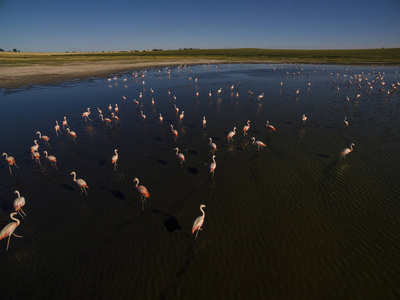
(14, 50)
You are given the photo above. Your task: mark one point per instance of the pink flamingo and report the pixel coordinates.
(116, 118)
(345, 121)
(80, 182)
(45, 138)
(86, 115)
(212, 145)
(180, 156)
(52, 159)
(143, 115)
(204, 122)
(116, 108)
(174, 132)
(176, 109)
(57, 128)
(181, 115)
(231, 134)
(65, 123)
(18, 203)
(142, 191)
(213, 165)
(346, 151)
(34, 148)
(270, 126)
(11, 161)
(199, 221)
(161, 119)
(246, 127)
(73, 133)
(258, 144)
(36, 155)
(114, 159)
(107, 120)
(9, 229)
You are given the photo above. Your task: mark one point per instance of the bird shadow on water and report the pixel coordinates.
(67, 187)
(171, 223)
(116, 194)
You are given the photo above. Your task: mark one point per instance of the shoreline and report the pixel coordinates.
(19, 76)
(13, 77)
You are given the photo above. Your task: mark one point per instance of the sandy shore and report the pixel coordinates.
(18, 76)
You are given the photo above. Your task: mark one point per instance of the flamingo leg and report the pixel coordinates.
(16, 165)
(10, 169)
(20, 214)
(8, 242)
(22, 211)
(20, 236)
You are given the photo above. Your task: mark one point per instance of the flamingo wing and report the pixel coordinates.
(197, 224)
(142, 189)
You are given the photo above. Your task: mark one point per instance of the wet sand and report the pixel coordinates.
(19, 76)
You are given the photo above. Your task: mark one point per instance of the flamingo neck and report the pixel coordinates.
(202, 211)
(177, 150)
(15, 219)
(213, 159)
(137, 182)
(17, 192)
(74, 176)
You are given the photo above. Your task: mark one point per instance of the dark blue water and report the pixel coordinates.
(289, 222)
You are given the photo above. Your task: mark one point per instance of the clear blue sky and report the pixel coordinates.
(113, 25)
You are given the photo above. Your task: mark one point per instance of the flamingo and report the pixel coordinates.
(251, 93)
(99, 111)
(204, 122)
(143, 115)
(152, 102)
(123, 97)
(8, 230)
(143, 192)
(65, 123)
(45, 138)
(82, 183)
(231, 134)
(212, 145)
(176, 109)
(260, 96)
(72, 133)
(18, 203)
(52, 159)
(213, 165)
(116, 108)
(346, 151)
(114, 159)
(180, 156)
(270, 126)
(160, 118)
(246, 127)
(345, 121)
(36, 155)
(34, 147)
(199, 221)
(86, 115)
(219, 91)
(107, 120)
(181, 115)
(209, 94)
(174, 132)
(109, 107)
(116, 118)
(298, 91)
(57, 128)
(11, 161)
(258, 144)
(304, 118)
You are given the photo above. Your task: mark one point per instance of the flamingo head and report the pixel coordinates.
(202, 206)
(4, 154)
(72, 173)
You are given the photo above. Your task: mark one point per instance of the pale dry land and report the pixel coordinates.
(21, 75)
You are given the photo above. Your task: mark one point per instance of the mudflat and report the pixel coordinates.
(34, 74)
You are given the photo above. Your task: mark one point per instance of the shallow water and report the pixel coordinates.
(289, 222)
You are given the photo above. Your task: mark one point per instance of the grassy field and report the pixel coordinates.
(364, 56)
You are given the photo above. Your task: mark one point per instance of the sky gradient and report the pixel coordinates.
(59, 26)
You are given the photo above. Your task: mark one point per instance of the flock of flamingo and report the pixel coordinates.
(19, 202)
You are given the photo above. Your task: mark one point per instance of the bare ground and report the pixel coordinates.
(18, 76)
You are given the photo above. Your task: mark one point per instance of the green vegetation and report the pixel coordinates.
(364, 56)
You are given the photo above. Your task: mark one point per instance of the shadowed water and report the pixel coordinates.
(291, 221)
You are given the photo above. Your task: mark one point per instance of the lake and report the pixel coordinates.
(292, 221)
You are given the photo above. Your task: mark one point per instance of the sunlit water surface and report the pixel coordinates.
(289, 222)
